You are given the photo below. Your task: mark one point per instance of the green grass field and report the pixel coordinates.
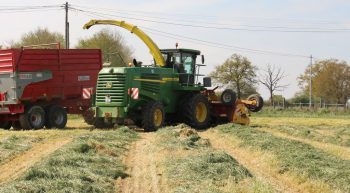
(276, 153)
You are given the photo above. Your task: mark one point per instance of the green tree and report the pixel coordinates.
(330, 80)
(300, 97)
(111, 43)
(238, 73)
(39, 36)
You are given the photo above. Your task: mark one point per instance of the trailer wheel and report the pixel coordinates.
(6, 125)
(33, 118)
(16, 125)
(56, 116)
(228, 97)
(99, 123)
(153, 116)
(197, 112)
(259, 103)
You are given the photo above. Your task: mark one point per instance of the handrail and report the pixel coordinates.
(58, 45)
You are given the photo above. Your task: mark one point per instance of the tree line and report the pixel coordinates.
(330, 78)
(112, 44)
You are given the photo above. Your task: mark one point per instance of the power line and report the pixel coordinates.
(206, 43)
(284, 20)
(290, 29)
(230, 46)
(30, 11)
(25, 9)
(17, 8)
(214, 27)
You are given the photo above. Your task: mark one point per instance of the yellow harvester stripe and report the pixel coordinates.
(164, 80)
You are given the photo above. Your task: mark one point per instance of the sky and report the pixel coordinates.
(219, 28)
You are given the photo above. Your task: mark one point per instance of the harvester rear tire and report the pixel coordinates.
(228, 97)
(259, 103)
(6, 125)
(153, 116)
(197, 112)
(32, 118)
(56, 117)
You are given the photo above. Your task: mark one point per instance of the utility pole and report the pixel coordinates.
(67, 26)
(310, 83)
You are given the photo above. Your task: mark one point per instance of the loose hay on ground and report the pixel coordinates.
(82, 166)
(15, 144)
(295, 156)
(200, 168)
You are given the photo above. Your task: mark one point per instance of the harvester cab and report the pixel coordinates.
(168, 91)
(183, 62)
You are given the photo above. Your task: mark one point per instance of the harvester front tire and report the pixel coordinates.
(99, 123)
(259, 103)
(153, 116)
(197, 112)
(56, 117)
(228, 97)
(89, 116)
(6, 125)
(32, 118)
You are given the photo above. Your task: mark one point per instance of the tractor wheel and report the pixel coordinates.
(153, 116)
(197, 112)
(6, 125)
(99, 123)
(228, 97)
(16, 125)
(108, 124)
(259, 103)
(33, 118)
(56, 117)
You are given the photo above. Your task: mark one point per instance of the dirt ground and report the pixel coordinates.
(14, 168)
(145, 175)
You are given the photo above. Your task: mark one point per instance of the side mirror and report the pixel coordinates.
(136, 63)
(202, 59)
(207, 82)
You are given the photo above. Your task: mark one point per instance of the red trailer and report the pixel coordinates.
(38, 87)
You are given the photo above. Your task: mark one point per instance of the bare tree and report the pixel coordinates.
(271, 79)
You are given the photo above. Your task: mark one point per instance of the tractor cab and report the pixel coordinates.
(183, 62)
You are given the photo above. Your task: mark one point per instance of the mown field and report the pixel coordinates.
(277, 153)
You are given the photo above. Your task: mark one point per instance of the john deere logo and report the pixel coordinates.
(109, 85)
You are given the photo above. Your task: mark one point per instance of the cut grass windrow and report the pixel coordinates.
(339, 151)
(294, 156)
(335, 135)
(192, 165)
(90, 163)
(15, 144)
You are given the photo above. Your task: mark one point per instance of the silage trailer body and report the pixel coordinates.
(51, 80)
